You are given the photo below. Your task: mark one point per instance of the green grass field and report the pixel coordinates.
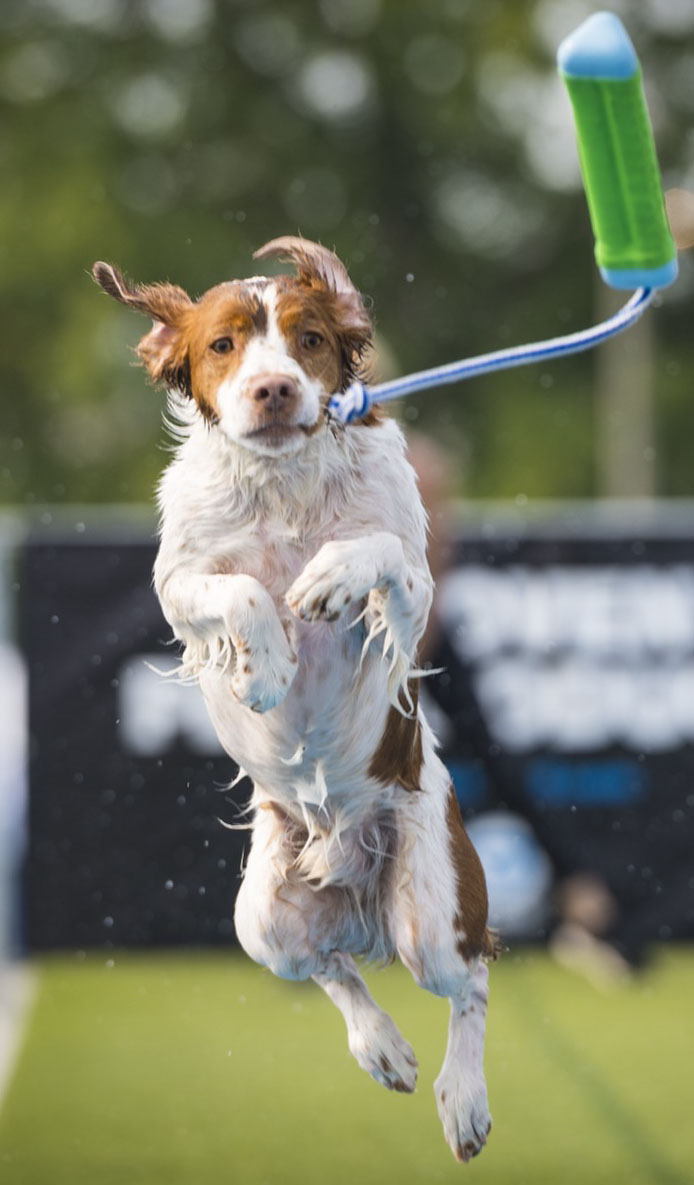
(204, 1069)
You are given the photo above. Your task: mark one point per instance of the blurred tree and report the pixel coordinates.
(430, 144)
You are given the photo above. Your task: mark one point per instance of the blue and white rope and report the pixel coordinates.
(355, 402)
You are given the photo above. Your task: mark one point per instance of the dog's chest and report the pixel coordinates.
(280, 557)
(271, 551)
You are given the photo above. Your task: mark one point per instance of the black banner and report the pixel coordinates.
(126, 776)
(567, 698)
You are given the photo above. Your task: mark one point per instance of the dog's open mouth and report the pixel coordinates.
(273, 433)
(276, 433)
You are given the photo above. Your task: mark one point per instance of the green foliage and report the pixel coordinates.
(430, 144)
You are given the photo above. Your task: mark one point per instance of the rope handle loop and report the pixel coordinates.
(352, 404)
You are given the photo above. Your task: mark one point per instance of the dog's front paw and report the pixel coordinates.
(464, 1113)
(263, 674)
(340, 575)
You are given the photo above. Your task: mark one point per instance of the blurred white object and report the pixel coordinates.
(680, 211)
(578, 659)
(518, 871)
(13, 753)
(602, 965)
(154, 710)
(17, 993)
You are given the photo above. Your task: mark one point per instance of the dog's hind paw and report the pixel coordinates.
(383, 1052)
(464, 1113)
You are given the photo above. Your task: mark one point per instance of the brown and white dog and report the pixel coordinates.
(293, 569)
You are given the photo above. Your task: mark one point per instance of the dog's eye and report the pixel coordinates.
(223, 345)
(312, 340)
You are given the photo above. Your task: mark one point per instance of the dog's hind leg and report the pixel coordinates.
(437, 917)
(461, 1092)
(283, 924)
(297, 931)
(374, 1039)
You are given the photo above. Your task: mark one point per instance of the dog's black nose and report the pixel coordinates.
(274, 390)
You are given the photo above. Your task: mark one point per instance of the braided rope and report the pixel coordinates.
(355, 402)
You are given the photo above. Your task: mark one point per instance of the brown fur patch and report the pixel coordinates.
(319, 269)
(302, 308)
(374, 416)
(223, 566)
(229, 310)
(162, 350)
(474, 938)
(398, 758)
(162, 302)
(311, 429)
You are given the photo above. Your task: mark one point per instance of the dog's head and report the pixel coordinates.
(260, 357)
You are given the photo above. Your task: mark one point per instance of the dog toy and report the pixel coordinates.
(633, 244)
(634, 248)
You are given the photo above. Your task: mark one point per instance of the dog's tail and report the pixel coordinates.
(492, 946)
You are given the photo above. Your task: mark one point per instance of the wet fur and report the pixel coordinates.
(292, 568)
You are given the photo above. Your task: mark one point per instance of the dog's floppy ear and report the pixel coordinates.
(162, 302)
(163, 350)
(313, 262)
(319, 267)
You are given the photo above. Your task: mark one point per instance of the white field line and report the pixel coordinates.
(18, 990)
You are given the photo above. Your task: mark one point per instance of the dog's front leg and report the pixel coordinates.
(231, 622)
(398, 587)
